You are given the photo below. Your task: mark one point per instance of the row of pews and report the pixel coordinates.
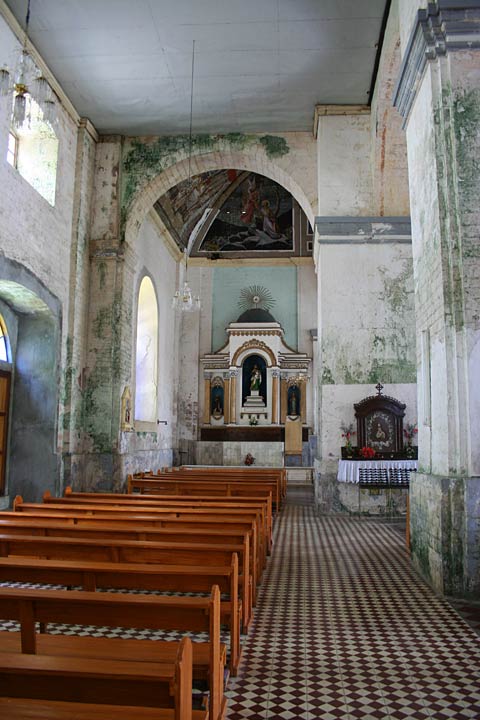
(202, 535)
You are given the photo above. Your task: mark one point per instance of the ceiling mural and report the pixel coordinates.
(256, 215)
(233, 213)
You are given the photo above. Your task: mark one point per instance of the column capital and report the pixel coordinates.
(442, 27)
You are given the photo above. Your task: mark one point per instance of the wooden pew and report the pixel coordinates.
(244, 472)
(177, 578)
(259, 508)
(186, 512)
(190, 522)
(120, 682)
(184, 524)
(135, 551)
(25, 709)
(192, 484)
(19, 524)
(140, 502)
(28, 607)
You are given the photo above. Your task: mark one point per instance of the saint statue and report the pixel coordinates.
(255, 378)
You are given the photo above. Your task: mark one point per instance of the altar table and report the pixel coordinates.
(349, 470)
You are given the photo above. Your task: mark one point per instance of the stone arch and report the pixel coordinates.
(256, 161)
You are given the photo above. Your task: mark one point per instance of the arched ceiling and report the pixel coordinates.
(261, 65)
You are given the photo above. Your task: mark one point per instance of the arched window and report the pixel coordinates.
(147, 353)
(4, 344)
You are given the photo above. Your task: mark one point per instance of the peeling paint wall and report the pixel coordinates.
(389, 145)
(344, 165)
(366, 336)
(368, 321)
(443, 138)
(32, 232)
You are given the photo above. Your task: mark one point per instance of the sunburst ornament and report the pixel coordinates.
(256, 296)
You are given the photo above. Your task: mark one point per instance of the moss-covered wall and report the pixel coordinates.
(146, 158)
(368, 314)
(443, 139)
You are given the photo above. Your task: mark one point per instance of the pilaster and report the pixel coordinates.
(438, 96)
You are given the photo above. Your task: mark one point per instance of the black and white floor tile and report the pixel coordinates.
(344, 628)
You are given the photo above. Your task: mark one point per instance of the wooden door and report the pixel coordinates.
(5, 378)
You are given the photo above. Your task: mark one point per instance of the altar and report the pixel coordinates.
(256, 390)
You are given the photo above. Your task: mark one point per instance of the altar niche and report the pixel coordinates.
(217, 401)
(293, 401)
(254, 389)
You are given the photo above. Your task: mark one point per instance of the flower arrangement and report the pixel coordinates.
(367, 452)
(249, 459)
(347, 432)
(409, 431)
(253, 420)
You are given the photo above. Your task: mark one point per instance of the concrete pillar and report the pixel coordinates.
(438, 96)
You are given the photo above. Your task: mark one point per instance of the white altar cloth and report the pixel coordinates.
(348, 470)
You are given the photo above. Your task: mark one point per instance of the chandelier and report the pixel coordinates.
(26, 83)
(184, 299)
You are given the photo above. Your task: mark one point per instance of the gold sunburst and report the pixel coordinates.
(256, 296)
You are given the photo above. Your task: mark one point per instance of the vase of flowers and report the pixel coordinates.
(409, 432)
(249, 459)
(347, 433)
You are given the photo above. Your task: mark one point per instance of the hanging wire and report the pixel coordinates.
(191, 116)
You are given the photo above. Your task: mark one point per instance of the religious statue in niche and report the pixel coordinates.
(293, 401)
(126, 423)
(216, 401)
(255, 379)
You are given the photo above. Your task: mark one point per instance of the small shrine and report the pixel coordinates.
(374, 475)
(380, 432)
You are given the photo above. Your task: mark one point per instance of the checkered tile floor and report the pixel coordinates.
(345, 629)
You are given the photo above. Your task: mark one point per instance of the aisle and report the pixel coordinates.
(345, 629)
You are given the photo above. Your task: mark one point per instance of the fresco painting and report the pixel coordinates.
(257, 215)
(228, 211)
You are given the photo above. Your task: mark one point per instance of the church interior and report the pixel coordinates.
(240, 310)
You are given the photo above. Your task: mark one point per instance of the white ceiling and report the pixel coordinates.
(260, 65)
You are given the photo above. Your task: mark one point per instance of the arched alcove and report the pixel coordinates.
(146, 358)
(251, 364)
(33, 321)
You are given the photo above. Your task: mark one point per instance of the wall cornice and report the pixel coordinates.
(444, 26)
(362, 230)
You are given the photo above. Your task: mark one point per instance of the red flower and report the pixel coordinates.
(367, 452)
